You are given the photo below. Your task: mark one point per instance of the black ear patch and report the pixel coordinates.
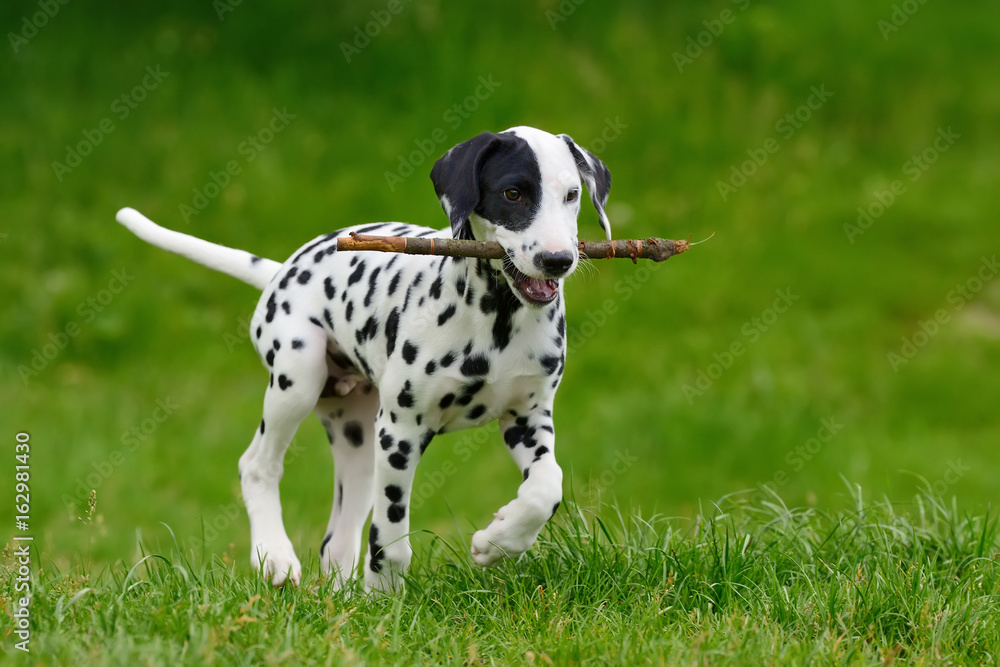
(456, 180)
(597, 177)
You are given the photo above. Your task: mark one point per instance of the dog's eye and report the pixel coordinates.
(512, 194)
(572, 195)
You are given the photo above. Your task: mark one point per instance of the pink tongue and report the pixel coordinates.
(540, 290)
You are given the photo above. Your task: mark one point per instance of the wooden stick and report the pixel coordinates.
(655, 249)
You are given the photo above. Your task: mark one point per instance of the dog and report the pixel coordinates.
(390, 350)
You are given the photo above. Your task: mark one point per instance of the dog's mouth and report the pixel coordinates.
(536, 291)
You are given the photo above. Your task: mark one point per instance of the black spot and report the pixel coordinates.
(460, 286)
(316, 322)
(269, 358)
(369, 228)
(375, 562)
(260, 330)
(448, 360)
(340, 495)
(446, 400)
(392, 416)
(396, 513)
(398, 461)
(425, 441)
(298, 343)
(393, 493)
(371, 286)
(430, 368)
(525, 474)
(328, 318)
(554, 508)
(364, 363)
(318, 257)
(287, 307)
(272, 306)
(254, 259)
(405, 398)
(391, 328)
(435, 290)
(522, 421)
(341, 360)
(322, 546)
(276, 344)
(549, 364)
(356, 276)
(288, 276)
(477, 412)
(446, 315)
(354, 433)
(304, 277)
(405, 447)
(419, 420)
(469, 391)
(546, 427)
(284, 382)
(541, 451)
(386, 440)
(328, 287)
(270, 381)
(561, 325)
(368, 331)
(478, 364)
(354, 260)
(409, 352)
(349, 312)
(394, 283)
(262, 427)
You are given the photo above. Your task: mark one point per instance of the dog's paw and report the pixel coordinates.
(503, 538)
(277, 562)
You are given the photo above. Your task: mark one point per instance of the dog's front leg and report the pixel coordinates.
(398, 447)
(515, 527)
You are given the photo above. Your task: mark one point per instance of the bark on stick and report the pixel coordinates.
(655, 249)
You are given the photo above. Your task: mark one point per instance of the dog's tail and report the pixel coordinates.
(249, 268)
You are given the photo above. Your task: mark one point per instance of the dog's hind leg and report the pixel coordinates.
(298, 372)
(350, 427)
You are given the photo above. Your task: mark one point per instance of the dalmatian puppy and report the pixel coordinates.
(390, 350)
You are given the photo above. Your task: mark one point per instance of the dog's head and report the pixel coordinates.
(521, 187)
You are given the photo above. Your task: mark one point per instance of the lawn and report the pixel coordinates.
(841, 330)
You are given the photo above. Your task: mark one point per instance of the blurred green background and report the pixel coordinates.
(655, 410)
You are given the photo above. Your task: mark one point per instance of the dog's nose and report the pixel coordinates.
(554, 263)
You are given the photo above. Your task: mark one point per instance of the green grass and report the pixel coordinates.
(629, 429)
(742, 583)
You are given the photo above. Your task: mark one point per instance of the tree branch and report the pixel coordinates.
(655, 249)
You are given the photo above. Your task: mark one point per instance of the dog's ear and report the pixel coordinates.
(456, 180)
(597, 177)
